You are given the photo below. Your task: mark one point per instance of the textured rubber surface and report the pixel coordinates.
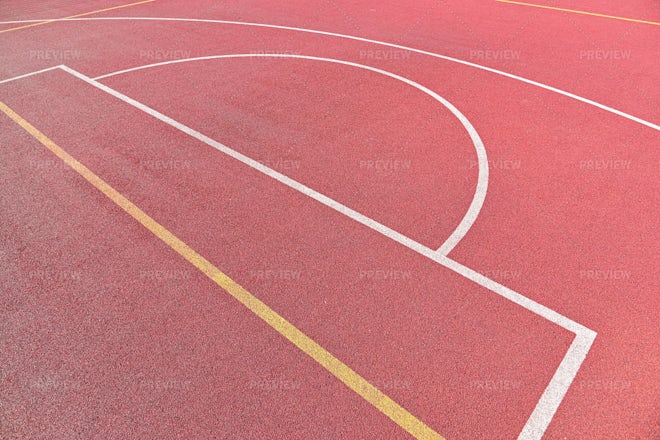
(108, 333)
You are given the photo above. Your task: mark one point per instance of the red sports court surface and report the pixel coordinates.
(442, 217)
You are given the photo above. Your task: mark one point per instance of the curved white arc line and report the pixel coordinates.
(366, 40)
(482, 158)
(475, 207)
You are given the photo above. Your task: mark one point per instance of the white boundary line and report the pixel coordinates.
(366, 40)
(28, 74)
(563, 377)
(482, 158)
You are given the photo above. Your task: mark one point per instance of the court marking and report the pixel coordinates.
(585, 340)
(561, 381)
(327, 360)
(27, 75)
(481, 189)
(594, 14)
(367, 40)
(565, 374)
(42, 22)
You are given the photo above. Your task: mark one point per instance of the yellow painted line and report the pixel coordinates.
(340, 370)
(75, 16)
(634, 20)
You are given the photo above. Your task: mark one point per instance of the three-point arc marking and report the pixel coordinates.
(366, 40)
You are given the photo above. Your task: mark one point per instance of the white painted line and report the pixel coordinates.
(26, 75)
(561, 381)
(28, 21)
(511, 295)
(370, 223)
(482, 180)
(368, 40)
